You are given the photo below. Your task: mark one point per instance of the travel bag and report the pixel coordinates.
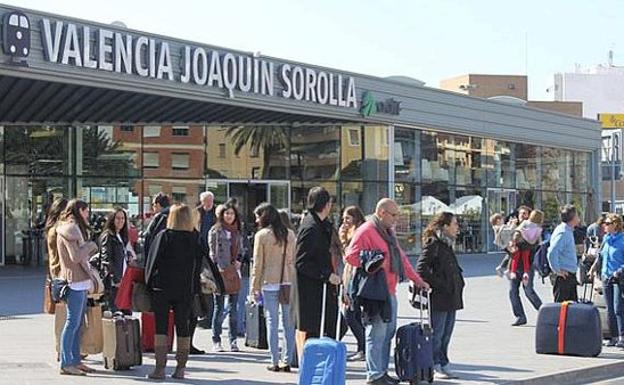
(148, 330)
(413, 352)
(91, 340)
(324, 360)
(122, 342)
(255, 326)
(569, 328)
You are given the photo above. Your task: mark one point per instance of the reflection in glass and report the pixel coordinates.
(437, 157)
(526, 166)
(468, 161)
(499, 163)
(37, 150)
(108, 151)
(364, 152)
(314, 153)
(170, 155)
(469, 207)
(406, 155)
(407, 196)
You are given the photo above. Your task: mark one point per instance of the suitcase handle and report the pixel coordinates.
(591, 292)
(324, 306)
(428, 307)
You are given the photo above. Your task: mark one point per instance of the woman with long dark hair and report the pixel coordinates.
(225, 242)
(114, 249)
(352, 218)
(274, 258)
(74, 250)
(54, 213)
(438, 266)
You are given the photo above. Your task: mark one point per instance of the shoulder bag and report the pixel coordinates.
(284, 290)
(49, 306)
(230, 275)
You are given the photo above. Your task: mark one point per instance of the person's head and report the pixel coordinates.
(523, 213)
(568, 215)
(285, 217)
(444, 222)
(54, 212)
(207, 200)
(387, 211)
(227, 216)
(180, 218)
(232, 202)
(537, 217)
(160, 202)
(319, 201)
(78, 211)
(496, 219)
(353, 216)
(268, 216)
(613, 223)
(117, 222)
(601, 220)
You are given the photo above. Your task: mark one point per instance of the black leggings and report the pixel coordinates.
(181, 309)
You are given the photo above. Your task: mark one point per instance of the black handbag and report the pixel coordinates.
(60, 289)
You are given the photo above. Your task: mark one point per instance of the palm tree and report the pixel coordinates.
(265, 140)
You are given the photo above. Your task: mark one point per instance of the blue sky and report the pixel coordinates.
(428, 40)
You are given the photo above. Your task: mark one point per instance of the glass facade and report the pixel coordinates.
(425, 171)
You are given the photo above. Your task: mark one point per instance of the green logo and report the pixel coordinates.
(369, 105)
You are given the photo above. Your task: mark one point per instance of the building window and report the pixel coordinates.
(180, 131)
(180, 161)
(154, 189)
(151, 131)
(354, 137)
(151, 160)
(222, 150)
(126, 128)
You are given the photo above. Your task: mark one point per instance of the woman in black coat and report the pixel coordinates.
(438, 266)
(114, 253)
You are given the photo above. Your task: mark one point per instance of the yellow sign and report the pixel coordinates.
(610, 121)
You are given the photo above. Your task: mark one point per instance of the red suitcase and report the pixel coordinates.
(148, 329)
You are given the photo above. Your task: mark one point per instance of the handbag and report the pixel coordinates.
(59, 289)
(207, 281)
(283, 296)
(231, 280)
(49, 306)
(141, 298)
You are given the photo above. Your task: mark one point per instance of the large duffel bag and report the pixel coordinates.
(122, 342)
(568, 328)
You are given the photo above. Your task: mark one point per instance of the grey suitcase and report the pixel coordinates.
(122, 342)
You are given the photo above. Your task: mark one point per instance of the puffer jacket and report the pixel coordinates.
(73, 252)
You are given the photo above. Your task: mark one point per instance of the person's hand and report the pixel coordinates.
(344, 227)
(346, 300)
(562, 274)
(335, 279)
(424, 285)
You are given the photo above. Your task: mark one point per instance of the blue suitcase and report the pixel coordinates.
(324, 359)
(413, 352)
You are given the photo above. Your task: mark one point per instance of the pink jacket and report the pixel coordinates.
(366, 237)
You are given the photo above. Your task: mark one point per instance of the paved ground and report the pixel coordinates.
(485, 349)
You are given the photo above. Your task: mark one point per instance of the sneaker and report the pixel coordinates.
(619, 343)
(359, 356)
(449, 373)
(217, 348)
(525, 279)
(234, 347)
(72, 371)
(391, 379)
(439, 374)
(284, 367)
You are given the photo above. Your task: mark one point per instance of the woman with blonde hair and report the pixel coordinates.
(74, 250)
(171, 276)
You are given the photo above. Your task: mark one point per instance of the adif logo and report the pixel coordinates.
(16, 36)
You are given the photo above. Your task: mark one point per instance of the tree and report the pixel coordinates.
(262, 140)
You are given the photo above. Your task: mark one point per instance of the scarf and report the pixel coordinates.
(233, 229)
(445, 238)
(396, 264)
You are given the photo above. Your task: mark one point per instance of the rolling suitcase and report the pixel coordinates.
(255, 328)
(569, 328)
(413, 352)
(324, 360)
(122, 342)
(148, 330)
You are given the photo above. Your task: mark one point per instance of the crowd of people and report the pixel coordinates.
(287, 272)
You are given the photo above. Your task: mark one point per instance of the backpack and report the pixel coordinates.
(540, 261)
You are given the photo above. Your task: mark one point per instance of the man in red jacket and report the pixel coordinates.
(378, 234)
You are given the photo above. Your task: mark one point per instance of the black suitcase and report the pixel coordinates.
(569, 328)
(122, 342)
(256, 333)
(413, 352)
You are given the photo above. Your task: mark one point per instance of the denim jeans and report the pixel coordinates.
(354, 320)
(529, 292)
(271, 312)
(443, 323)
(70, 338)
(378, 340)
(219, 316)
(615, 308)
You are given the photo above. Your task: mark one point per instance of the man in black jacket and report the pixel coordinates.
(314, 268)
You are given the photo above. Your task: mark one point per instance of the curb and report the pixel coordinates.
(577, 376)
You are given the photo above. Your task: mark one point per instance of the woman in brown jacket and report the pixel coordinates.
(274, 254)
(74, 251)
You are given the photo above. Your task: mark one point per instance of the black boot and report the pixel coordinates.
(192, 327)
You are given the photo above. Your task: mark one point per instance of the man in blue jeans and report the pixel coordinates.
(514, 297)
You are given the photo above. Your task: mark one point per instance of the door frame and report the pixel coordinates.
(267, 182)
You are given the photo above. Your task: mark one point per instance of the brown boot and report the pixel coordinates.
(182, 353)
(160, 352)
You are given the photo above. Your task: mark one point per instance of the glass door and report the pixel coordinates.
(502, 201)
